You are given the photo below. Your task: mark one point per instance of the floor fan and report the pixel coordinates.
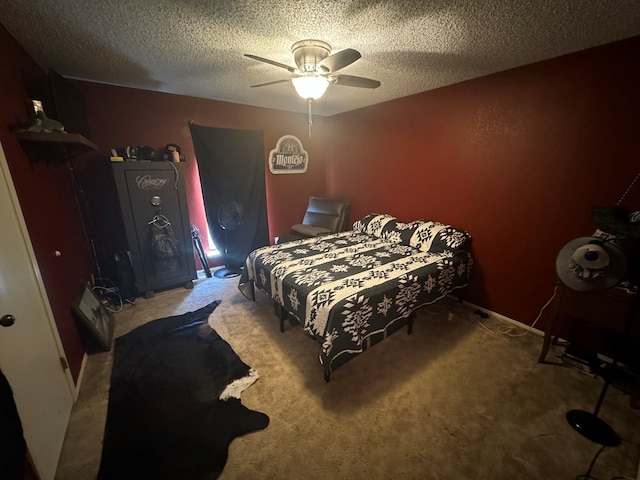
(229, 218)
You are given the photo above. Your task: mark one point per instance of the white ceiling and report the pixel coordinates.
(196, 47)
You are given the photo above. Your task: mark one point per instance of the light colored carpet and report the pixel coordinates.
(450, 401)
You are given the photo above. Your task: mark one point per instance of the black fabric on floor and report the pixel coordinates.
(164, 419)
(13, 447)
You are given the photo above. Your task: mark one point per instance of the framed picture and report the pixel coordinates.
(95, 316)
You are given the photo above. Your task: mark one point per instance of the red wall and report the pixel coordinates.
(124, 116)
(517, 158)
(46, 197)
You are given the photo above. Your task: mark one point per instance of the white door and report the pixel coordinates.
(30, 349)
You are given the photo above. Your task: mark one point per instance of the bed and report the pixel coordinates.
(350, 290)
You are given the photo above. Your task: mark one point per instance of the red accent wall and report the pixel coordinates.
(46, 197)
(123, 116)
(518, 159)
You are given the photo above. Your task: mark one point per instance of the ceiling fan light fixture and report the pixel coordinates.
(310, 87)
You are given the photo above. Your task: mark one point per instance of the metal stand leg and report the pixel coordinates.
(195, 234)
(589, 424)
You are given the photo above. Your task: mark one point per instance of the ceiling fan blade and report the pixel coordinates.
(352, 81)
(270, 83)
(339, 60)
(271, 62)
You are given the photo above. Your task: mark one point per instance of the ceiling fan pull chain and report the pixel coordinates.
(628, 188)
(310, 121)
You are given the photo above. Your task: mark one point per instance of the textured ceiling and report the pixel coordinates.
(196, 47)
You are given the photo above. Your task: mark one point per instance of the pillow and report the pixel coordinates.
(372, 224)
(398, 232)
(425, 236)
(437, 237)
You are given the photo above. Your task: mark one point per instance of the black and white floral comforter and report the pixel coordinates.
(344, 288)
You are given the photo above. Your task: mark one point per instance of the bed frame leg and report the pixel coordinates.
(280, 313)
(327, 374)
(410, 323)
(283, 316)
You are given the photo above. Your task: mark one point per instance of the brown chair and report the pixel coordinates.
(323, 216)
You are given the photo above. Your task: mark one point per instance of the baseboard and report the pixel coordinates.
(80, 377)
(499, 316)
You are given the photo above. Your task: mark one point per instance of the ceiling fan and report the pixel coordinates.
(317, 68)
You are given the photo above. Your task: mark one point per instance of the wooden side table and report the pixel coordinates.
(591, 321)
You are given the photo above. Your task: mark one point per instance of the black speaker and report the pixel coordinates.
(123, 273)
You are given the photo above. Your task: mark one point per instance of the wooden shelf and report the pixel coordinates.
(55, 144)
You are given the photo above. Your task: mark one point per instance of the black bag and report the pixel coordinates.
(164, 244)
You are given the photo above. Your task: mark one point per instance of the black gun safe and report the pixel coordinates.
(138, 223)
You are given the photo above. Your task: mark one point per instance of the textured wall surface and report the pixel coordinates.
(44, 188)
(518, 158)
(124, 116)
(196, 47)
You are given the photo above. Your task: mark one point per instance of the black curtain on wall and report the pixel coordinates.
(231, 165)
